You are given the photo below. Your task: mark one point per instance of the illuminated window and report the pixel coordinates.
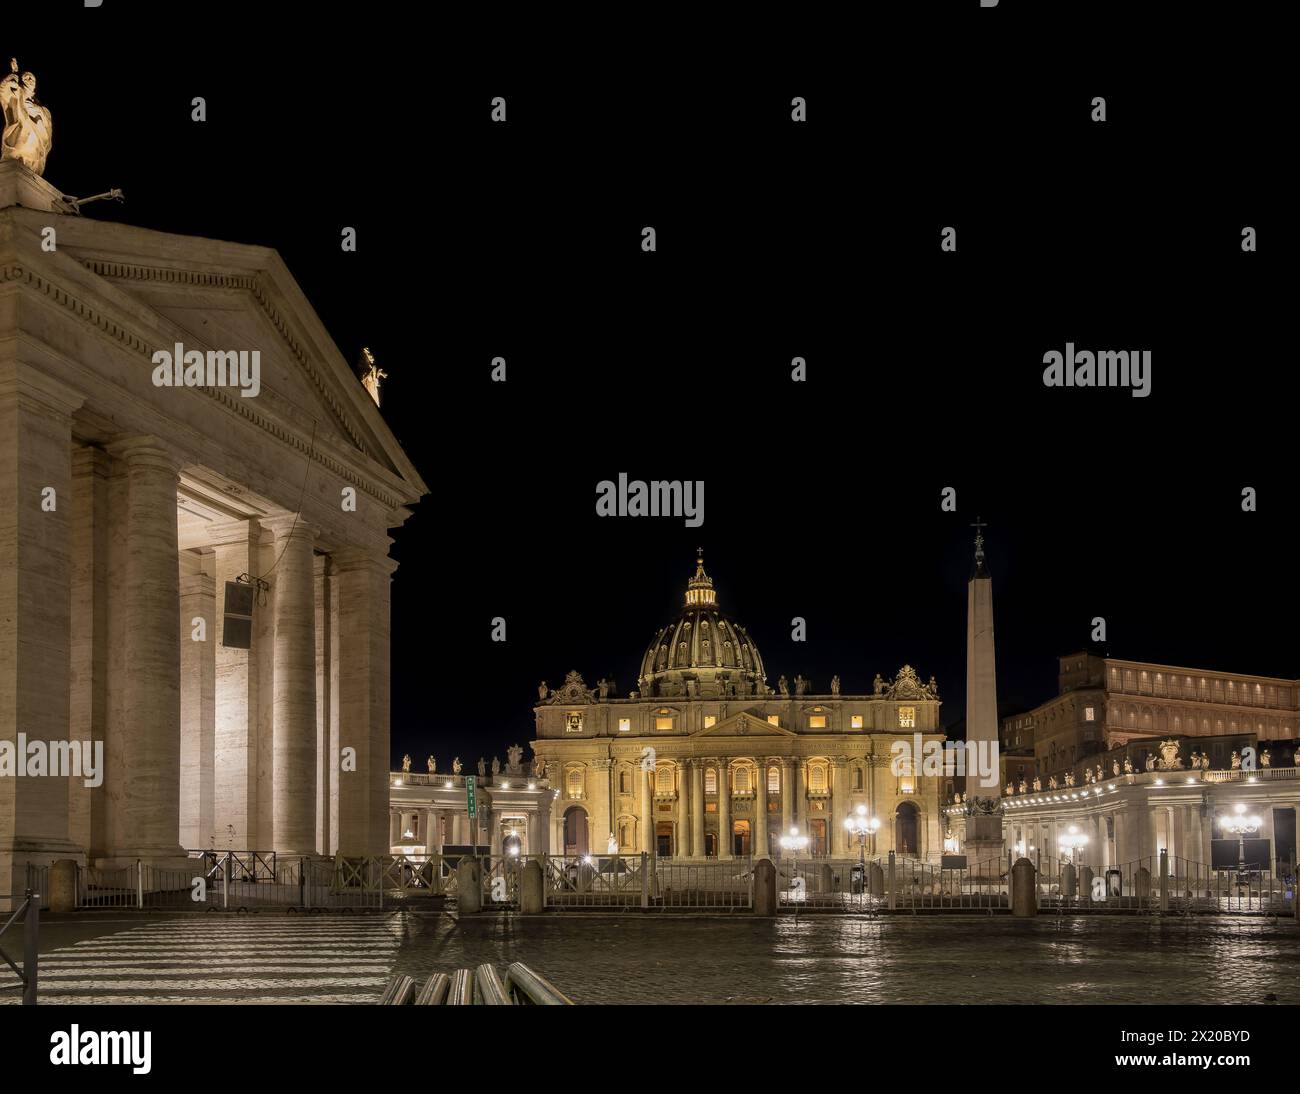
(625, 725)
(742, 780)
(855, 721)
(573, 781)
(817, 721)
(1089, 714)
(573, 722)
(711, 780)
(664, 780)
(817, 777)
(709, 720)
(662, 722)
(907, 717)
(774, 719)
(774, 779)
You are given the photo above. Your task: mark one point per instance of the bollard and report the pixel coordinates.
(645, 880)
(531, 897)
(1024, 888)
(1295, 888)
(875, 880)
(469, 886)
(893, 883)
(63, 886)
(1164, 879)
(827, 878)
(1142, 885)
(31, 947)
(1085, 885)
(764, 887)
(139, 884)
(1069, 882)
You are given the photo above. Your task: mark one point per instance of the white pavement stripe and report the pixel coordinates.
(186, 1000)
(245, 984)
(211, 962)
(131, 969)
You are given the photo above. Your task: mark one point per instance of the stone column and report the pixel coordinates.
(326, 749)
(787, 795)
(145, 820)
(295, 730)
(683, 847)
(361, 655)
(598, 790)
(724, 808)
(198, 708)
(1122, 849)
(837, 806)
(235, 549)
(760, 843)
(697, 808)
(36, 501)
(88, 701)
(800, 803)
(1151, 828)
(646, 823)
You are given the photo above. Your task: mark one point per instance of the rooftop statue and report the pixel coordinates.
(28, 128)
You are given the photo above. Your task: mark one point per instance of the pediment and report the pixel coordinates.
(743, 725)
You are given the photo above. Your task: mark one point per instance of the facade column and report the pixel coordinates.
(198, 708)
(683, 848)
(294, 726)
(88, 700)
(235, 550)
(1123, 854)
(800, 803)
(146, 756)
(601, 826)
(36, 500)
(327, 764)
(1151, 830)
(787, 795)
(724, 808)
(697, 808)
(760, 840)
(361, 657)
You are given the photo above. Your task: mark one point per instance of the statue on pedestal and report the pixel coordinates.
(1051, 782)
(1236, 760)
(800, 685)
(514, 760)
(433, 766)
(406, 762)
(783, 687)
(1069, 778)
(878, 685)
(1265, 758)
(542, 690)
(1022, 784)
(835, 685)
(1128, 766)
(455, 766)
(1114, 767)
(482, 767)
(1038, 784)
(496, 766)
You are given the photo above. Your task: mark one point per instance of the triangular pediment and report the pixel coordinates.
(743, 725)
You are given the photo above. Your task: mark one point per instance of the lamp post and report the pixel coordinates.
(1240, 824)
(858, 824)
(792, 843)
(1072, 841)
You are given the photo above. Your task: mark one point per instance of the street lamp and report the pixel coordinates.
(858, 824)
(793, 844)
(1240, 824)
(1073, 841)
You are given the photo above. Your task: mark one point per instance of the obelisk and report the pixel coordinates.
(983, 829)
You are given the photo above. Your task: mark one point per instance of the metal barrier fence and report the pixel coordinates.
(640, 881)
(38, 883)
(890, 884)
(30, 910)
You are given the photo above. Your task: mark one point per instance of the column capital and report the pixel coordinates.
(346, 559)
(286, 525)
(146, 451)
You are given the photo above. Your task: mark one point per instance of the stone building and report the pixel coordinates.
(706, 760)
(130, 507)
(1105, 703)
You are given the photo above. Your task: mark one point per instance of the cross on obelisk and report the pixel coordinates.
(979, 525)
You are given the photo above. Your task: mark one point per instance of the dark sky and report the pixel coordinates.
(775, 240)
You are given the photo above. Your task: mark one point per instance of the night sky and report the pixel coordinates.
(774, 240)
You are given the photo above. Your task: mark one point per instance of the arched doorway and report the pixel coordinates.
(740, 838)
(575, 831)
(907, 829)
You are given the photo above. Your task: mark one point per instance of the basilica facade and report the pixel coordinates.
(706, 760)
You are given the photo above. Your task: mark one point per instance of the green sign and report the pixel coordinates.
(469, 794)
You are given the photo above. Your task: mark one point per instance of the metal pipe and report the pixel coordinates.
(462, 988)
(398, 993)
(534, 987)
(490, 991)
(31, 939)
(434, 992)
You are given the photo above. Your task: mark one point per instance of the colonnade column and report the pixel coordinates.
(145, 811)
(724, 809)
(787, 795)
(683, 847)
(601, 823)
(697, 808)
(760, 841)
(835, 837)
(35, 604)
(198, 707)
(361, 655)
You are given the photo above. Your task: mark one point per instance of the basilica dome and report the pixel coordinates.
(702, 652)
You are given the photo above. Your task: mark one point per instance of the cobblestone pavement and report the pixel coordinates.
(637, 958)
(898, 959)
